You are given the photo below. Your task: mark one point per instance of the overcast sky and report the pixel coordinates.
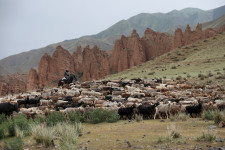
(32, 24)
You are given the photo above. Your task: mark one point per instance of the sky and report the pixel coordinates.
(32, 24)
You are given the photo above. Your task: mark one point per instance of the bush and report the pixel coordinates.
(138, 118)
(40, 119)
(42, 134)
(218, 117)
(112, 116)
(188, 75)
(173, 67)
(68, 134)
(55, 117)
(21, 122)
(2, 118)
(97, 116)
(178, 78)
(209, 115)
(151, 73)
(14, 144)
(181, 116)
(3, 129)
(173, 132)
(75, 117)
(208, 136)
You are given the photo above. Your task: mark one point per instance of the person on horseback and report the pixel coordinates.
(66, 74)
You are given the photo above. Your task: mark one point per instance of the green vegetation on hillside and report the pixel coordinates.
(203, 60)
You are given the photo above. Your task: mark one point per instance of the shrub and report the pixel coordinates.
(181, 116)
(220, 77)
(75, 117)
(3, 128)
(21, 122)
(151, 73)
(173, 132)
(218, 117)
(209, 115)
(11, 128)
(112, 116)
(138, 118)
(97, 116)
(14, 144)
(42, 134)
(173, 67)
(208, 136)
(2, 118)
(68, 133)
(188, 75)
(40, 119)
(54, 117)
(178, 78)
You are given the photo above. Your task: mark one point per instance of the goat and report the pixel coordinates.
(164, 108)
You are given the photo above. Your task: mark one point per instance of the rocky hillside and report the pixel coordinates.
(202, 62)
(94, 63)
(160, 22)
(215, 23)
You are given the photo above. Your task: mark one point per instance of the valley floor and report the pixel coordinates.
(148, 134)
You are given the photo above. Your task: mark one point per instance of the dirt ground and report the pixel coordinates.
(125, 135)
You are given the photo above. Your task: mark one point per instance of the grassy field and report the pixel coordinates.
(203, 57)
(147, 134)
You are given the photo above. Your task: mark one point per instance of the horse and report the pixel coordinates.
(70, 80)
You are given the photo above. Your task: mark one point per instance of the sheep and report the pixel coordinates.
(164, 108)
(175, 109)
(45, 102)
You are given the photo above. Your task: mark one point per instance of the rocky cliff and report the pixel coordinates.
(12, 84)
(89, 63)
(189, 37)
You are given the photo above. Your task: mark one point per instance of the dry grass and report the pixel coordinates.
(145, 133)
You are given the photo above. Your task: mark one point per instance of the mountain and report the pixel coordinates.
(160, 22)
(215, 23)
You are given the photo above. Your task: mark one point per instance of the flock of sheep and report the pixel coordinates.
(149, 98)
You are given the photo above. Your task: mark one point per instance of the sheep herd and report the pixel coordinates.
(150, 98)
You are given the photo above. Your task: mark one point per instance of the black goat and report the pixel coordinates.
(128, 112)
(194, 109)
(147, 110)
(7, 108)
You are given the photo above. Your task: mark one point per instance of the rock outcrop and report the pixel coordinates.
(189, 37)
(91, 64)
(131, 51)
(33, 80)
(12, 84)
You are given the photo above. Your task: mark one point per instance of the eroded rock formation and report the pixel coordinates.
(12, 84)
(93, 63)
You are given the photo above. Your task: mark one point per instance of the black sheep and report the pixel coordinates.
(194, 109)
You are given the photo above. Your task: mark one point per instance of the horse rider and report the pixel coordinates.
(66, 74)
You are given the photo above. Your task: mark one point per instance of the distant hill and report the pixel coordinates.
(215, 23)
(196, 61)
(161, 22)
